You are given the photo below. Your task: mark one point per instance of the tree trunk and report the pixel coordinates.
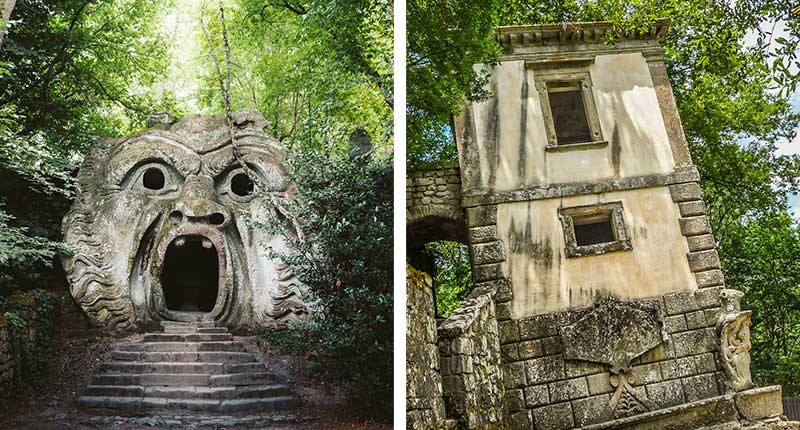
(8, 6)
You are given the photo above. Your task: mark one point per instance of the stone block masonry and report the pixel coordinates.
(544, 390)
(424, 403)
(433, 193)
(469, 348)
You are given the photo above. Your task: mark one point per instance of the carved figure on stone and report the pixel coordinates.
(614, 333)
(159, 227)
(733, 330)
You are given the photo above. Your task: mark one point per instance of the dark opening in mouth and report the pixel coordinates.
(190, 275)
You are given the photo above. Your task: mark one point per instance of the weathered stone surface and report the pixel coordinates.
(733, 330)
(703, 260)
(680, 303)
(538, 327)
(700, 387)
(614, 332)
(675, 323)
(599, 384)
(692, 208)
(515, 400)
(760, 403)
(521, 421)
(690, 342)
(474, 382)
(164, 191)
(678, 368)
(537, 395)
(530, 349)
(491, 252)
(696, 225)
(701, 243)
(710, 278)
(483, 234)
(569, 389)
(545, 369)
(666, 394)
(685, 192)
(481, 216)
(486, 272)
(591, 410)
(707, 297)
(695, 320)
(555, 417)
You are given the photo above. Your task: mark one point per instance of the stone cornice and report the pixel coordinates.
(572, 34)
(680, 175)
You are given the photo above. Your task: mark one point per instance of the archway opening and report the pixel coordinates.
(438, 246)
(190, 275)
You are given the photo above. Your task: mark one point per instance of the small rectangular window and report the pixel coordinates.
(569, 112)
(594, 229)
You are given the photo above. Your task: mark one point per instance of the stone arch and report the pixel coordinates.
(433, 212)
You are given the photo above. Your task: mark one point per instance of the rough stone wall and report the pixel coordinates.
(424, 404)
(9, 352)
(546, 391)
(433, 193)
(470, 363)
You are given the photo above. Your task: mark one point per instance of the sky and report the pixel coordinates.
(787, 146)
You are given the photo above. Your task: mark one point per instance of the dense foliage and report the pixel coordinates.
(452, 281)
(733, 68)
(344, 255)
(316, 69)
(70, 72)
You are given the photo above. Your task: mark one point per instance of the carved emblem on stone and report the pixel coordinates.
(159, 227)
(614, 333)
(733, 330)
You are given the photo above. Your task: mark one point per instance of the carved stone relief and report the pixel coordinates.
(733, 330)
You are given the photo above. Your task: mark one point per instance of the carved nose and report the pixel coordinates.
(196, 204)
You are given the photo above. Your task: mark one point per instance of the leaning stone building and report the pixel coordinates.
(598, 298)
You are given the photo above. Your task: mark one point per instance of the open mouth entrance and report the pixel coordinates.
(190, 276)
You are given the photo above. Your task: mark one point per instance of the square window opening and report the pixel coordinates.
(569, 112)
(594, 230)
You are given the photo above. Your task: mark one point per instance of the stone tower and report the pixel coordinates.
(597, 279)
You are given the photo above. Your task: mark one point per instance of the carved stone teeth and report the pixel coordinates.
(207, 243)
(180, 241)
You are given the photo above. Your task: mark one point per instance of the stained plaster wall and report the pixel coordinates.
(506, 147)
(545, 280)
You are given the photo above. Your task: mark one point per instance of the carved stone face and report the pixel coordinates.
(160, 231)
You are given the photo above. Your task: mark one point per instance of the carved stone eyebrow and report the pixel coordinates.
(150, 148)
(220, 160)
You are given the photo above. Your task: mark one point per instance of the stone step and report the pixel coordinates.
(134, 367)
(194, 330)
(179, 379)
(184, 357)
(135, 405)
(253, 367)
(251, 378)
(187, 337)
(193, 392)
(188, 324)
(227, 346)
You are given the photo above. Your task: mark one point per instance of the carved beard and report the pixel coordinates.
(159, 233)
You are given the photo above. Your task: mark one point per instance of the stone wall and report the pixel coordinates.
(470, 363)
(424, 404)
(544, 390)
(433, 193)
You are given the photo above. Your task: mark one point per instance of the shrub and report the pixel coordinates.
(344, 255)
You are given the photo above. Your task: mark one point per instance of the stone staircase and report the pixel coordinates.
(190, 367)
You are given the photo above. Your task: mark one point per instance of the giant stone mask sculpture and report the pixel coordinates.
(159, 227)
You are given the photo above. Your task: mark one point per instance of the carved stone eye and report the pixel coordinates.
(153, 179)
(241, 185)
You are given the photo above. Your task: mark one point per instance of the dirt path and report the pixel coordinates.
(53, 405)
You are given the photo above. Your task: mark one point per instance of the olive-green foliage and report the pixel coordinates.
(70, 72)
(31, 359)
(452, 281)
(316, 69)
(732, 97)
(344, 255)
